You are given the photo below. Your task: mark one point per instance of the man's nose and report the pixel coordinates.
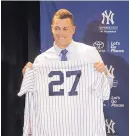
(62, 32)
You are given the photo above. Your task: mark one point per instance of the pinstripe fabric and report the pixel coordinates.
(74, 107)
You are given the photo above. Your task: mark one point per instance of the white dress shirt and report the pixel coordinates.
(76, 51)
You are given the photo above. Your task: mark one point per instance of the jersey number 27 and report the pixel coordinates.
(60, 92)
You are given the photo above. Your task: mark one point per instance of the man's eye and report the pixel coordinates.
(56, 28)
(66, 29)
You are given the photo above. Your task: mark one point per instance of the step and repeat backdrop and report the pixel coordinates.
(104, 25)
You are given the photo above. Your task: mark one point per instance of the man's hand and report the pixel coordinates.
(28, 65)
(100, 67)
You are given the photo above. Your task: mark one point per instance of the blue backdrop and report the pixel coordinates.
(104, 25)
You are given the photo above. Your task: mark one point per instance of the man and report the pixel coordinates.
(63, 29)
(65, 48)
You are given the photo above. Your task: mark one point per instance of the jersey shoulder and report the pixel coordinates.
(87, 52)
(43, 56)
(84, 47)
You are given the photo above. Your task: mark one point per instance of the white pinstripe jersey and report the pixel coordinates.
(64, 99)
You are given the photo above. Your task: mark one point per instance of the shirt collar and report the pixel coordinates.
(69, 47)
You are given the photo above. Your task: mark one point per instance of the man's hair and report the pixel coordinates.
(63, 14)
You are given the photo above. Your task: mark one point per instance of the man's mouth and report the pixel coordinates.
(62, 38)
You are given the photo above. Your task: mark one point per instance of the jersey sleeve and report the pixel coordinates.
(102, 87)
(28, 82)
(27, 88)
(97, 58)
(28, 111)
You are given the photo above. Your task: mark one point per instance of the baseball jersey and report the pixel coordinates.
(64, 99)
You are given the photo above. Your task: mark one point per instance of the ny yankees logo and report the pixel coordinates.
(110, 126)
(111, 70)
(108, 17)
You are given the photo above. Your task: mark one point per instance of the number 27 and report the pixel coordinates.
(73, 91)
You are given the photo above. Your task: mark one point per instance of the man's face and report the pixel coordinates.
(63, 31)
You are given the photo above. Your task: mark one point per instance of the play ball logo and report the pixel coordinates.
(108, 17)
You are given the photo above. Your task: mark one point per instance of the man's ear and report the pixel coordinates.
(52, 28)
(74, 29)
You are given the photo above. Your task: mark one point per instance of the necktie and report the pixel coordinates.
(63, 55)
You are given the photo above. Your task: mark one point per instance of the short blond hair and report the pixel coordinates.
(63, 14)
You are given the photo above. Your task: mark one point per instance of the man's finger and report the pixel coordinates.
(98, 64)
(29, 65)
(23, 70)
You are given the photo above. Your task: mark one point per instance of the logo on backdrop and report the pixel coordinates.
(99, 46)
(110, 126)
(115, 83)
(108, 22)
(108, 17)
(111, 71)
(114, 47)
(115, 102)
